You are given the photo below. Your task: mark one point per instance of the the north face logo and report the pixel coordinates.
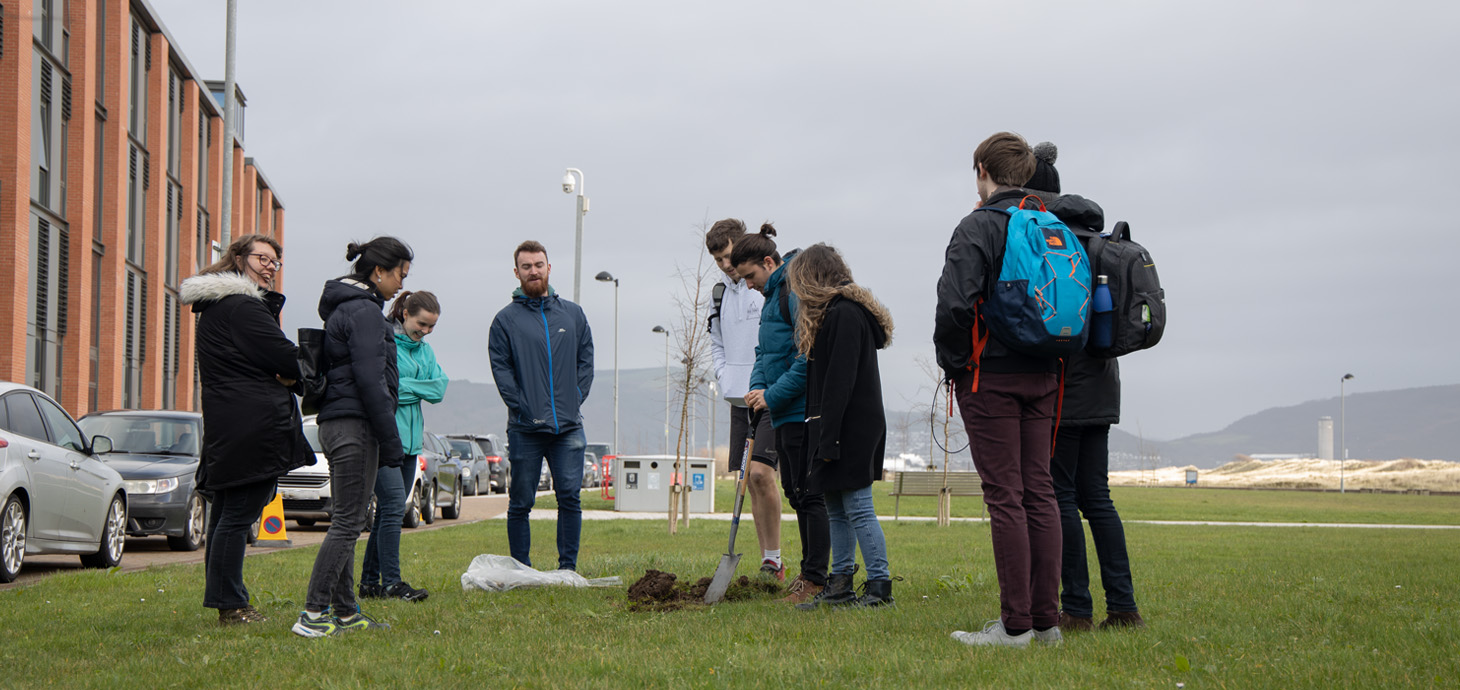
(1053, 239)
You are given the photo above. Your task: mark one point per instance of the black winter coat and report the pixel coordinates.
(971, 263)
(1092, 384)
(846, 426)
(359, 345)
(251, 427)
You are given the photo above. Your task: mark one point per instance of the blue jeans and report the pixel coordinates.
(354, 456)
(526, 451)
(854, 524)
(1081, 459)
(233, 513)
(382, 551)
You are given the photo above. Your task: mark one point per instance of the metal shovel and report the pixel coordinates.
(726, 572)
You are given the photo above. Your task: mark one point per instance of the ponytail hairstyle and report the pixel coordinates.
(817, 276)
(383, 252)
(412, 303)
(234, 258)
(752, 249)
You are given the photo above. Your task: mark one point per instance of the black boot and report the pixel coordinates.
(838, 592)
(875, 593)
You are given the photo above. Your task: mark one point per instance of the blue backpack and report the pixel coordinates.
(1040, 304)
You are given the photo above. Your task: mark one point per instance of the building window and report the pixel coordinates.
(46, 329)
(140, 64)
(170, 248)
(134, 339)
(96, 259)
(97, 205)
(137, 185)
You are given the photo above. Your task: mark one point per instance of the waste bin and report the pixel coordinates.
(641, 483)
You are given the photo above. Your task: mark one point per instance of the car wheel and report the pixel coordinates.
(113, 537)
(195, 531)
(12, 539)
(428, 512)
(253, 531)
(476, 486)
(413, 510)
(453, 511)
(472, 491)
(304, 522)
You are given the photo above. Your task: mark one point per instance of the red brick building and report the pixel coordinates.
(111, 169)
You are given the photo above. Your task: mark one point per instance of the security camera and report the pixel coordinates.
(568, 183)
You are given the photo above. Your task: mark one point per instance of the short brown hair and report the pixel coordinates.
(531, 247)
(1007, 158)
(722, 233)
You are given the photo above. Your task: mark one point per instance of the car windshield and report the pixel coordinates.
(462, 446)
(311, 434)
(145, 434)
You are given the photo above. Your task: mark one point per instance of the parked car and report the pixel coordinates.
(56, 494)
(495, 449)
(476, 470)
(444, 490)
(606, 456)
(545, 478)
(156, 452)
(306, 490)
(592, 472)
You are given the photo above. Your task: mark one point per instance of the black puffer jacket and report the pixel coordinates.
(1092, 384)
(846, 425)
(251, 429)
(360, 348)
(971, 264)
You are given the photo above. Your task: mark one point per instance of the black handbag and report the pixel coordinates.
(312, 370)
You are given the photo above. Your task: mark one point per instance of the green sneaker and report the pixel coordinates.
(318, 625)
(358, 621)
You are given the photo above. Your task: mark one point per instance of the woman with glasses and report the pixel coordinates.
(251, 422)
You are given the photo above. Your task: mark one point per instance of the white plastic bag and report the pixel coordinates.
(495, 573)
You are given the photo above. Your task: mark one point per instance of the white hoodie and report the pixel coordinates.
(734, 335)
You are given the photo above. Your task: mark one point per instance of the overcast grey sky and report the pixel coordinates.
(1288, 164)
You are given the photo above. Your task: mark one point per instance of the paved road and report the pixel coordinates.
(145, 552)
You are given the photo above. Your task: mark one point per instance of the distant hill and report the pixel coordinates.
(1422, 423)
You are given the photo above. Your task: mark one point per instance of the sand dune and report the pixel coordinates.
(1389, 475)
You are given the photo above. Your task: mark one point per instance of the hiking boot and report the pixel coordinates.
(371, 590)
(838, 591)
(1075, 624)
(247, 614)
(315, 625)
(403, 591)
(1122, 619)
(994, 635)
(358, 621)
(1051, 637)
(801, 591)
(771, 571)
(875, 593)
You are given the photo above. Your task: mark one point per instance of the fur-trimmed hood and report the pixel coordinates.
(211, 287)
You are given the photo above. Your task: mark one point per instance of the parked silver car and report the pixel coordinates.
(156, 452)
(56, 496)
(476, 471)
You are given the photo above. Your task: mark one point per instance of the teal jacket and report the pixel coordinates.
(780, 370)
(420, 379)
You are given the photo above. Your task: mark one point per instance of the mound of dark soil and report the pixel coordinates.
(661, 591)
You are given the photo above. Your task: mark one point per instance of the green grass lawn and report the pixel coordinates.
(1234, 607)
(1143, 503)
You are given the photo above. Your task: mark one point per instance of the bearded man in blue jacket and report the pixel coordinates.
(542, 359)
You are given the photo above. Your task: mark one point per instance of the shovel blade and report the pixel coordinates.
(723, 575)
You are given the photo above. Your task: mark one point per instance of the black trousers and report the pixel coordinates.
(810, 506)
(234, 511)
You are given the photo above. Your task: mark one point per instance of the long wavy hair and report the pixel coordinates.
(818, 275)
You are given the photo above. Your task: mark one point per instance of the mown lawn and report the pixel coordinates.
(1235, 607)
(1144, 503)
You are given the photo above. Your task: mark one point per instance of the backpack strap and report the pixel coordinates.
(980, 341)
(1121, 233)
(717, 295)
(785, 300)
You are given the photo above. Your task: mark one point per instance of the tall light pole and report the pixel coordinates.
(1342, 428)
(665, 331)
(568, 184)
(606, 277)
(710, 402)
(229, 84)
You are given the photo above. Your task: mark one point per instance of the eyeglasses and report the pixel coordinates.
(266, 261)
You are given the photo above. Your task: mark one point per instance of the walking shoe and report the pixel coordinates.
(1122, 619)
(1075, 624)
(247, 614)
(801, 591)
(358, 621)
(403, 591)
(838, 590)
(371, 590)
(994, 636)
(770, 570)
(875, 593)
(1051, 637)
(318, 625)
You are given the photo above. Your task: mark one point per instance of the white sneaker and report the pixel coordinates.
(1051, 637)
(994, 636)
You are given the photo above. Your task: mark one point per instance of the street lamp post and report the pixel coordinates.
(606, 277)
(710, 402)
(665, 331)
(1342, 428)
(568, 184)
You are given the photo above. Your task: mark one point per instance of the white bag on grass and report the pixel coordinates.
(495, 573)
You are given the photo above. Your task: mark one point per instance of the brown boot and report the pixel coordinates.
(1122, 619)
(247, 614)
(1071, 624)
(801, 590)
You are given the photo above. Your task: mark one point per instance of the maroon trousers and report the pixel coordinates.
(1009, 422)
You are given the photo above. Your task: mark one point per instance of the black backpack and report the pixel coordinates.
(1135, 289)
(312, 369)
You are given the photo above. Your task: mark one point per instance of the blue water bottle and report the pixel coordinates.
(1101, 335)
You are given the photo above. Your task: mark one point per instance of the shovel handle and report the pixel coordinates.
(740, 478)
